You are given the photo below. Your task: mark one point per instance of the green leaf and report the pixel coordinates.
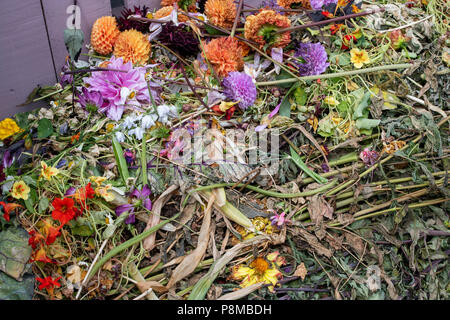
(45, 128)
(11, 289)
(300, 96)
(283, 75)
(43, 204)
(299, 162)
(81, 227)
(213, 31)
(367, 123)
(359, 111)
(73, 39)
(341, 59)
(14, 252)
(120, 160)
(285, 108)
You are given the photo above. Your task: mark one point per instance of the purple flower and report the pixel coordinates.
(369, 157)
(279, 219)
(8, 159)
(315, 59)
(66, 78)
(239, 86)
(318, 4)
(143, 200)
(129, 156)
(271, 4)
(121, 88)
(91, 100)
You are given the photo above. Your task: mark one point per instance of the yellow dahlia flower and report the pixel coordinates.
(104, 34)
(225, 55)
(221, 13)
(8, 127)
(132, 45)
(261, 27)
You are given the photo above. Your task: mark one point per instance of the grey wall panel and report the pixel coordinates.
(25, 58)
(57, 16)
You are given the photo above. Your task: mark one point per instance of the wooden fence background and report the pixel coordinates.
(32, 50)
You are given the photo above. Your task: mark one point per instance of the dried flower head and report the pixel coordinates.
(221, 12)
(179, 38)
(167, 11)
(239, 87)
(104, 34)
(225, 55)
(132, 45)
(314, 59)
(292, 4)
(127, 24)
(262, 26)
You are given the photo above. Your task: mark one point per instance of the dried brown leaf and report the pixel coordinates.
(301, 271)
(191, 261)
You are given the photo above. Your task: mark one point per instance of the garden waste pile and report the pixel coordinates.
(214, 150)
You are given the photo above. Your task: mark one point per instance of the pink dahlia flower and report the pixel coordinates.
(120, 89)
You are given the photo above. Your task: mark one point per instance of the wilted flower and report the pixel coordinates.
(104, 34)
(262, 26)
(291, 4)
(142, 197)
(279, 219)
(8, 127)
(48, 284)
(225, 55)
(120, 88)
(48, 172)
(132, 45)
(91, 101)
(148, 121)
(165, 112)
(369, 157)
(179, 38)
(126, 24)
(259, 270)
(318, 4)
(239, 87)
(314, 57)
(359, 57)
(8, 208)
(398, 39)
(20, 190)
(221, 13)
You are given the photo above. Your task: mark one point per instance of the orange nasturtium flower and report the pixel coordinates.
(48, 284)
(41, 256)
(20, 190)
(48, 172)
(7, 208)
(63, 210)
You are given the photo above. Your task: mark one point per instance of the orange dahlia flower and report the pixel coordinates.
(104, 34)
(225, 55)
(132, 45)
(221, 13)
(165, 11)
(260, 28)
(288, 3)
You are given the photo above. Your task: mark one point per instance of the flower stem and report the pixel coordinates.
(337, 74)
